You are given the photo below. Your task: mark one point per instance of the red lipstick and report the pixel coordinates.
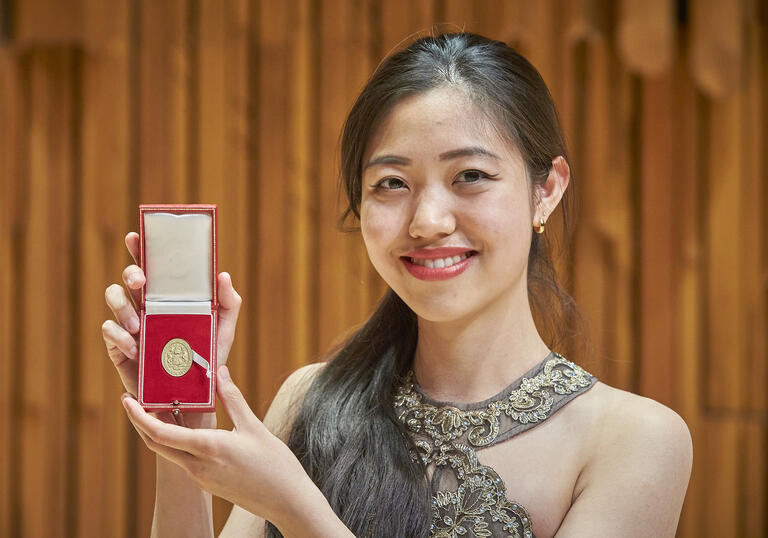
(423, 272)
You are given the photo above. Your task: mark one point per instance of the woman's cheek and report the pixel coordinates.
(379, 234)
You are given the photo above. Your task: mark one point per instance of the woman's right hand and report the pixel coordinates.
(121, 335)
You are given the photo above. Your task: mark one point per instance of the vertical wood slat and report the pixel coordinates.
(752, 225)
(47, 262)
(646, 35)
(537, 42)
(272, 288)
(752, 222)
(716, 45)
(687, 315)
(719, 514)
(656, 252)
(725, 331)
(591, 253)
(302, 186)
(103, 429)
(10, 134)
(616, 222)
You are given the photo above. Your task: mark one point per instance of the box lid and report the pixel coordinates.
(177, 250)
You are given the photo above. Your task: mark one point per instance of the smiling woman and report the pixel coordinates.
(447, 413)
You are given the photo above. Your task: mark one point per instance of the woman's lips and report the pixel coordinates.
(438, 273)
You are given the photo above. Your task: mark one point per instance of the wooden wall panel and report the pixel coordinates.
(687, 298)
(46, 331)
(10, 146)
(104, 441)
(301, 178)
(105, 105)
(754, 220)
(657, 233)
(726, 331)
(646, 35)
(716, 41)
(271, 247)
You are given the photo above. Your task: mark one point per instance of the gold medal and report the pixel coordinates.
(177, 357)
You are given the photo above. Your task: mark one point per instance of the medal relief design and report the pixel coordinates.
(445, 437)
(177, 357)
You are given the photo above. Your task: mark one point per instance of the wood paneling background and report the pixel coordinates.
(108, 104)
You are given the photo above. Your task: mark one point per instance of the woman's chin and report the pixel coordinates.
(437, 311)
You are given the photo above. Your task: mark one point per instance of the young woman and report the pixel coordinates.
(446, 414)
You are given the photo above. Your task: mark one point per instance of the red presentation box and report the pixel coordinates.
(178, 310)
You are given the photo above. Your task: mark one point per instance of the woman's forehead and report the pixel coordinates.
(427, 125)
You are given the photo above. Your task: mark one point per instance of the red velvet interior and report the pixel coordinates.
(159, 385)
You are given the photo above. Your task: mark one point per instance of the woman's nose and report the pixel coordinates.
(432, 216)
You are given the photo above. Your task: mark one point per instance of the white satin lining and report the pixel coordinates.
(178, 307)
(178, 254)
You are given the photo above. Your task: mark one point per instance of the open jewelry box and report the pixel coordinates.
(178, 310)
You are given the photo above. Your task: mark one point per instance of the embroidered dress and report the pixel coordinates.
(469, 499)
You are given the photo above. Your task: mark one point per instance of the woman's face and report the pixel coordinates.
(436, 176)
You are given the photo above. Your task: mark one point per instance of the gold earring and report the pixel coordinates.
(540, 228)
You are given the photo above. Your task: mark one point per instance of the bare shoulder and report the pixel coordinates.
(281, 412)
(625, 424)
(637, 467)
(278, 420)
(629, 420)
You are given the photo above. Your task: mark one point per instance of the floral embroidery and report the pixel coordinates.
(479, 506)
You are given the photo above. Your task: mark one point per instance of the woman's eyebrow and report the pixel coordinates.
(448, 155)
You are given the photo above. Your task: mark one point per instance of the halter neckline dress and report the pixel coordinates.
(468, 498)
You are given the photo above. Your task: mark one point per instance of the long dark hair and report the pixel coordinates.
(345, 433)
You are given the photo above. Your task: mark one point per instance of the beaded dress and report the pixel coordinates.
(469, 499)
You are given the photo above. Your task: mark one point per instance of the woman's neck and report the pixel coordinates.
(472, 359)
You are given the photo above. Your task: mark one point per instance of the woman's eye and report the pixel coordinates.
(390, 183)
(473, 176)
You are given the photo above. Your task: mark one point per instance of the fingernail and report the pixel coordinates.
(224, 373)
(134, 351)
(133, 324)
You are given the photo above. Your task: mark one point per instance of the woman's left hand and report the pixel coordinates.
(248, 466)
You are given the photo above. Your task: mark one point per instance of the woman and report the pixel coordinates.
(446, 414)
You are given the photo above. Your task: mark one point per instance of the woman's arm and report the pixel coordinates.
(637, 476)
(181, 508)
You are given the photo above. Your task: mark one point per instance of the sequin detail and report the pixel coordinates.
(479, 507)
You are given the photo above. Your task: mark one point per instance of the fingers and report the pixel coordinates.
(179, 457)
(234, 401)
(122, 350)
(132, 243)
(122, 308)
(121, 345)
(134, 279)
(163, 434)
(133, 276)
(229, 310)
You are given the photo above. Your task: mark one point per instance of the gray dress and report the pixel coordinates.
(469, 499)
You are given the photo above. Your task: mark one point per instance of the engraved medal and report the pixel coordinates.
(177, 357)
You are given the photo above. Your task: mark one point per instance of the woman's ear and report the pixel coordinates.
(552, 190)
